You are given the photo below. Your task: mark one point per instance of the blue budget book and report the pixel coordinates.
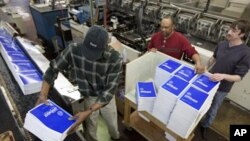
(194, 98)
(146, 89)
(175, 85)
(170, 65)
(186, 73)
(11, 47)
(24, 66)
(17, 56)
(53, 117)
(30, 77)
(203, 82)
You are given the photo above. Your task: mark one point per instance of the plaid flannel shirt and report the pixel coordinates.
(94, 78)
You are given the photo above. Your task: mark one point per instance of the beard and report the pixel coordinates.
(166, 34)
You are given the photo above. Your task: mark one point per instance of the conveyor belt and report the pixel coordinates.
(23, 104)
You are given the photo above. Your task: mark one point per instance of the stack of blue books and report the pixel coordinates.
(48, 122)
(192, 105)
(164, 71)
(186, 73)
(24, 71)
(168, 94)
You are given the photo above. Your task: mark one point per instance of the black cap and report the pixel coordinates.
(95, 42)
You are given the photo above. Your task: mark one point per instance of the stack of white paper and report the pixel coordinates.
(30, 81)
(167, 96)
(164, 71)
(186, 73)
(48, 122)
(188, 111)
(145, 96)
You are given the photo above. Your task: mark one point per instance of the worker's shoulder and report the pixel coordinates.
(114, 55)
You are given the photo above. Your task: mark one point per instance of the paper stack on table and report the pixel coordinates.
(203, 83)
(167, 96)
(164, 71)
(145, 96)
(192, 106)
(186, 73)
(48, 122)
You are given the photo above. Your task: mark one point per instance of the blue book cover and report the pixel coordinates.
(53, 116)
(186, 73)
(18, 56)
(11, 47)
(5, 40)
(195, 98)
(175, 85)
(24, 66)
(30, 77)
(4, 35)
(203, 82)
(170, 65)
(146, 89)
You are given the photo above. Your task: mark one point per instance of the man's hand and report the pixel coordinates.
(217, 77)
(199, 68)
(42, 99)
(153, 49)
(79, 117)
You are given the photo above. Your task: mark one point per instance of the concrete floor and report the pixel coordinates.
(228, 114)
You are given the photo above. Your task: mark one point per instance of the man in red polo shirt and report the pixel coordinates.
(174, 43)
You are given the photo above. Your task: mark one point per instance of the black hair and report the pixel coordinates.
(243, 26)
(171, 18)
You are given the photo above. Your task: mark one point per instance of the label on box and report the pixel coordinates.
(203, 82)
(170, 65)
(194, 98)
(186, 73)
(53, 116)
(175, 85)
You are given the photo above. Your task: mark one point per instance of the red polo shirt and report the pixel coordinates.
(174, 46)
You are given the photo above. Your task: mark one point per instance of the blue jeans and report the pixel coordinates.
(211, 114)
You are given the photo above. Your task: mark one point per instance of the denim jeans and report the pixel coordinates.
(216, 103)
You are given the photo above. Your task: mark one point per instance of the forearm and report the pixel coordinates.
(95, 106)
(45, 88)
(232, 78)
(210, 62)
(227, 77)
(196, 59)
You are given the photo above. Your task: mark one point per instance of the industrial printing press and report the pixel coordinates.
(138, 19)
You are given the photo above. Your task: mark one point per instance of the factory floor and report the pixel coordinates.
(221, 125)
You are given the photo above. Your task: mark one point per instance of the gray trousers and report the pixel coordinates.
(108, 113)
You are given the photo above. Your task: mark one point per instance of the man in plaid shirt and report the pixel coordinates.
(97, 67)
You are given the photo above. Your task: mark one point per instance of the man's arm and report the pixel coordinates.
(227, 77)
(60, 63)
(44, 93)
(199, 68)
(210, 62)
